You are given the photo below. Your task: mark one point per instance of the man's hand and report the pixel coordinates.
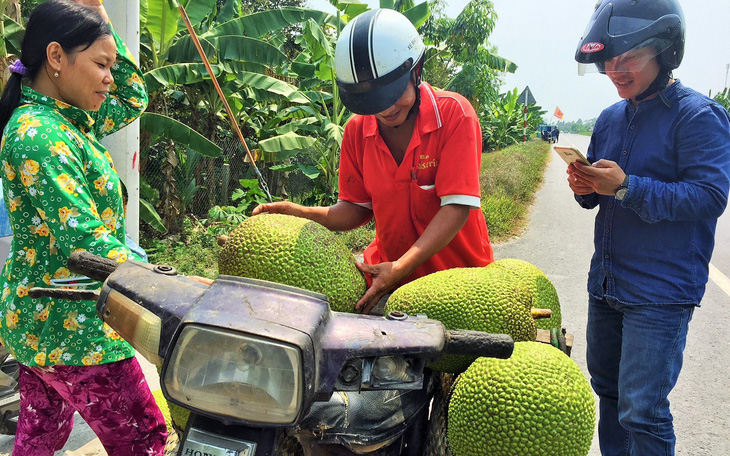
(579, 185)
(603, 177)
(203, 280)
(281, 207)
(385, 277)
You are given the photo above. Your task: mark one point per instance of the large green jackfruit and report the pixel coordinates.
(480, 299)
(536, 403)
(543, 291)
(297, 252)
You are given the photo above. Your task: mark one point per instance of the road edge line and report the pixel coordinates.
(720, 279)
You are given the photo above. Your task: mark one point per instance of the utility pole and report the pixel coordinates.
(124, 144)
(727, 70)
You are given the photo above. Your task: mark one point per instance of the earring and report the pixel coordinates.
(55, 75)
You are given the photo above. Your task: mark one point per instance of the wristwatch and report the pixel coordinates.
(622, 189)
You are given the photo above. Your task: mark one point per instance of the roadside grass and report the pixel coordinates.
(509, 179)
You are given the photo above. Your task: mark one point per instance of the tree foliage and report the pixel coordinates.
(723, 98)
(459, 55)
(579, 127)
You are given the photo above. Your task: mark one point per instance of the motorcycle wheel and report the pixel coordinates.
(436, 442)
(10, 398)
(288, 445)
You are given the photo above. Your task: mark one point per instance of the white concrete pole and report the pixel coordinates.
(124, 144)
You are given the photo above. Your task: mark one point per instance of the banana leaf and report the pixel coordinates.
(148, 213)
(163, 126)
(418, 14)
(13, 35)
(178, 74)
(259, 24)
(162, 22)
(271, 85)
(236, 48)
(286, 145)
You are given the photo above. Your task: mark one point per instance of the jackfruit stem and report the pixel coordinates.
(541, 313)
(222, 240)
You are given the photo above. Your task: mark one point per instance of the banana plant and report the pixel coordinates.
(502, 121)
(245, 62)
(10, 29)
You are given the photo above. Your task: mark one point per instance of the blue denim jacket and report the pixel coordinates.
(654, 247)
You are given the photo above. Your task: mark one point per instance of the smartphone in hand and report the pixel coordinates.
(571, 154)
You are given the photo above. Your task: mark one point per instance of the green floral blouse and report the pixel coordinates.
(63, 194)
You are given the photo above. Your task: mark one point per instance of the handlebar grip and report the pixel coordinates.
(478, 343)
(90, 265)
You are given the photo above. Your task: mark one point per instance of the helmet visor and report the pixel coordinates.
(374, 96)
(632, 61)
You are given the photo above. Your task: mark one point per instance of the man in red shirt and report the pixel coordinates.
(410, 158)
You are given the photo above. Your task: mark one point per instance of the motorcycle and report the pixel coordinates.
(268, 369)
(9, 396)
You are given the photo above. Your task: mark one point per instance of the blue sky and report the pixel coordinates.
(540, 36)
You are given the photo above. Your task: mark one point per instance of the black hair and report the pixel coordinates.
(75, 27)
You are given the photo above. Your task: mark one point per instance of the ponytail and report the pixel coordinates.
(75, 27)
(10, 99)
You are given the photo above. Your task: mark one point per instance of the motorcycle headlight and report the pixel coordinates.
(241, 376)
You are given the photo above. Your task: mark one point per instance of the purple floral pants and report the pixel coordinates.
(113, 399)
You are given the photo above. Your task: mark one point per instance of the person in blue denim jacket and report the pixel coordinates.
(660, 178)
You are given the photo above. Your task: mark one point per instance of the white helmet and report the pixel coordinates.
(374, 58)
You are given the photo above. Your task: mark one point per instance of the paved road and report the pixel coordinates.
(558, 241)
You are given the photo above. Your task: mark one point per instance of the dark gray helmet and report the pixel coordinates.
(619, 26)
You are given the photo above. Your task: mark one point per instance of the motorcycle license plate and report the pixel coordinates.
(202, 443)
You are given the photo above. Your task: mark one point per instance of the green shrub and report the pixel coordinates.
(509, 180)
(193, 252)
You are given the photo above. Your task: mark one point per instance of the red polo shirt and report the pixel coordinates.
(441, 166)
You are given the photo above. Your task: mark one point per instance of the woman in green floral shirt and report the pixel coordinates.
(63, 194)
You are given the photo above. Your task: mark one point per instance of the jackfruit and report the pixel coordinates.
(176, 417)
(480, 299)
(294, 251)
(536, 403)
(544, 294)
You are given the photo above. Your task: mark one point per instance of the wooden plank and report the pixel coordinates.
(543, 336)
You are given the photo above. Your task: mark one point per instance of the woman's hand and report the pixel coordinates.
(96, 5)
(385, 277)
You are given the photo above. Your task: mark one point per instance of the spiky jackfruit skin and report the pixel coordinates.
(479, 299)
(544, 294)
(176, 417)
(297, 252)
(536, 403)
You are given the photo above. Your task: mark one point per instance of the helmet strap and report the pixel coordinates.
(658, 85)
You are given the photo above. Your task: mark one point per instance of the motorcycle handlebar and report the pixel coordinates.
(458, 342)
(90, 265)
(477, 343)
